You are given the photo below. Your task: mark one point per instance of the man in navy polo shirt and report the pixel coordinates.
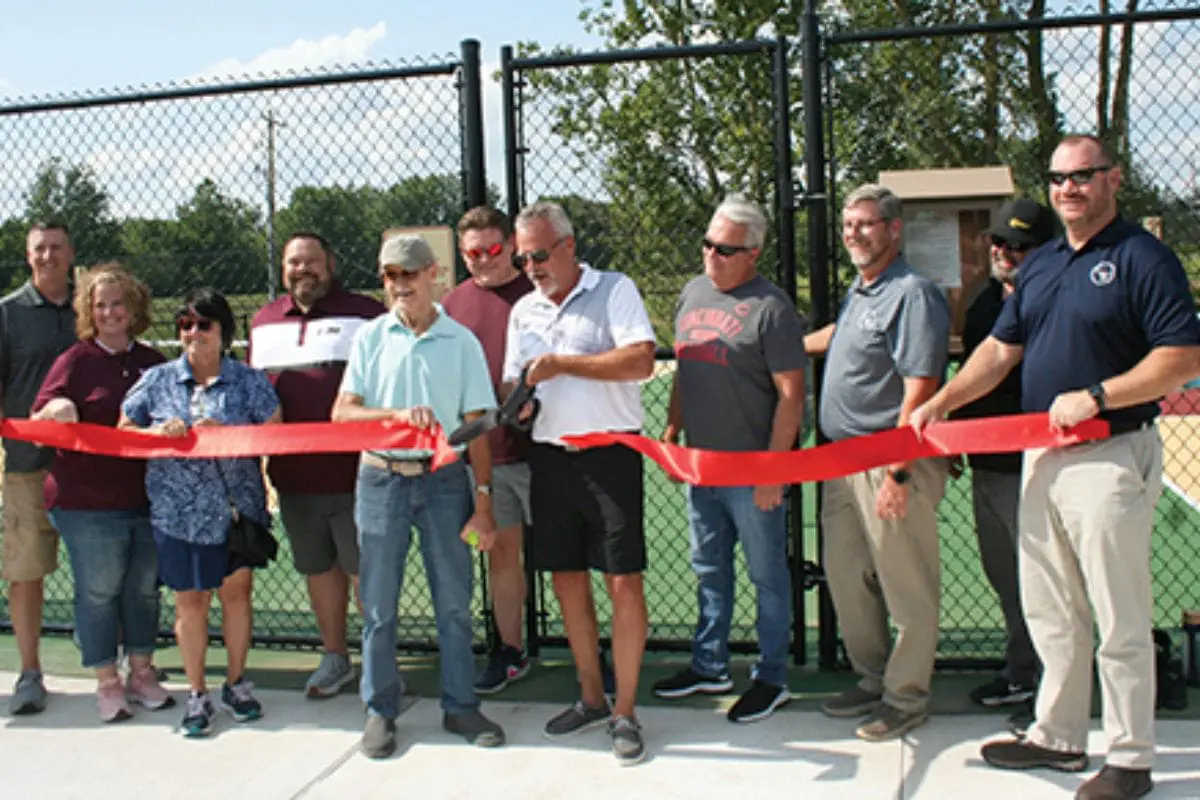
(302, 341)
(1103, 317)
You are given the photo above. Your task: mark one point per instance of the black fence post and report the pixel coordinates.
(785, 226)
(511, 145)
(818, 272)
(474, 167)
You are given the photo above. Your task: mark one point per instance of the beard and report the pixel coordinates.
(1005, 272)
(308, 290)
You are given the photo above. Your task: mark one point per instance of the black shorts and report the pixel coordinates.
(587, 509)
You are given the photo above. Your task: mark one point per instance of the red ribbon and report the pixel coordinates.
(294, 438)
(974, 436)
(699, 467)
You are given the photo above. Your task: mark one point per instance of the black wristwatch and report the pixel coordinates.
(900, 476)
(1096, 390)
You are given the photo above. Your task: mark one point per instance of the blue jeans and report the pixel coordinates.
(115, 566)
(386, 508)
(720, 517)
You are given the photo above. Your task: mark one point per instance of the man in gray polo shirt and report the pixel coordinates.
(886, 356)
(37, 324)
(739, 386)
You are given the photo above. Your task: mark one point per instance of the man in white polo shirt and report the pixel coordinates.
(586, 340)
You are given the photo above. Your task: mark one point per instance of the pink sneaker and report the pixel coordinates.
(110, 702)
(144, 689)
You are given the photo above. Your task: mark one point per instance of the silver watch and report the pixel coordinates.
(484, 488)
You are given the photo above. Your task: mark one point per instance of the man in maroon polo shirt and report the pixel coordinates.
(302, 342)
(483, 303)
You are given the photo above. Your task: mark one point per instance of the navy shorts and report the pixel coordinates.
(187, 567)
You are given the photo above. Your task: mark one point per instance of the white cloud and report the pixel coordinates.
(304, 54)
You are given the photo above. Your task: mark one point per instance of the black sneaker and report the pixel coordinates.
(507, 664)
(576, 719)
(1020, 754)
(627, 744)
(1116, 782)
(688, 682)
(999, 692)
(198, 716)
(759, 702)
(239, 701)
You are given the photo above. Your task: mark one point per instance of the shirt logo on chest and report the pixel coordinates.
(1103, 273)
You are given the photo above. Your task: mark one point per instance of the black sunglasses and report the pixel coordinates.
(185, 324)
(725, 250)
(519, 260)
(1006, 245)
(1079, 177)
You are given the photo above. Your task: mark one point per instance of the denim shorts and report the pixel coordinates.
(187, 567)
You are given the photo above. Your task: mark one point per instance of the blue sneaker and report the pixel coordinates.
(239, 702)
(198, 717)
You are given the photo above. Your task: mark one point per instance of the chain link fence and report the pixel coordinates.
(1018, 92)
(200, 183)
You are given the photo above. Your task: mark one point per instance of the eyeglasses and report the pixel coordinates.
(1079, 177)
(537, 256)
(491, 251)
(186, 324)
(850, 225)
(1006, 245)
(725, 250)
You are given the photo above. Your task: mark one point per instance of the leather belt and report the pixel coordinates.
(1118, 428)
(408, 467)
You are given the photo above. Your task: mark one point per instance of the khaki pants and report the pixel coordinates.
(30, 541)
(1086, 517)
(877, 568)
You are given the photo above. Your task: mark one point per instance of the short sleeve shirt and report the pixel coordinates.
(896, 327)
(604, 311)
(304, 355)
(1086, 315)
(96, 381)
(33, 333)
(485, 311)
(188, 498)
(728, 348)
(443, 368)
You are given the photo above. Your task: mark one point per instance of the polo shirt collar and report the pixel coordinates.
(335, 291)
(1112, 233)
(894, 269)
(183, 370)
(588, 278)
(440, 326)
(38, 299)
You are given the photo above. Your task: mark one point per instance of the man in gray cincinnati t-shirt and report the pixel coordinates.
(739, 385)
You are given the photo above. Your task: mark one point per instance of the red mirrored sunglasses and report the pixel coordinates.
(476, 253)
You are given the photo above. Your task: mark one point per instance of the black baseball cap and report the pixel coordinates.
(1024, 222)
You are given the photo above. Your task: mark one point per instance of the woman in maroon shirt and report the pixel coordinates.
(98, 503)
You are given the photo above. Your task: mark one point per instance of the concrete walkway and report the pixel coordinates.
(308, 749)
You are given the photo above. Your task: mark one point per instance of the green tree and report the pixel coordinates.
(220, 241)
(13, 268)
(70, 193)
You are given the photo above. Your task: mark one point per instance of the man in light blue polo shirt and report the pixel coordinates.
(415, 365)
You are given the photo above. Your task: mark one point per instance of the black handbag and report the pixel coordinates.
(248, 538)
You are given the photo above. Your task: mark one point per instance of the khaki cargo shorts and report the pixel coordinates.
(30, 541)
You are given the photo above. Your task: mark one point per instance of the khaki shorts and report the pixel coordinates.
(30, 541)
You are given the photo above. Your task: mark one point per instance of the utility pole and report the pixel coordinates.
(272, 265)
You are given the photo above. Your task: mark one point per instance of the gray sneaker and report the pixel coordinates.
(854, 702)
(576, 719)
(332, 675)
(29, 694)
(475, 728)
(379, 737)
(627, 744)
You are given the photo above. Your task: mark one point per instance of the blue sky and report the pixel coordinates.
(58, 46)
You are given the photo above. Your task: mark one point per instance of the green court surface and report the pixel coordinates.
(970, 620)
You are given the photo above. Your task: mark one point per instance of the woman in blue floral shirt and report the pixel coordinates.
(189, 498)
